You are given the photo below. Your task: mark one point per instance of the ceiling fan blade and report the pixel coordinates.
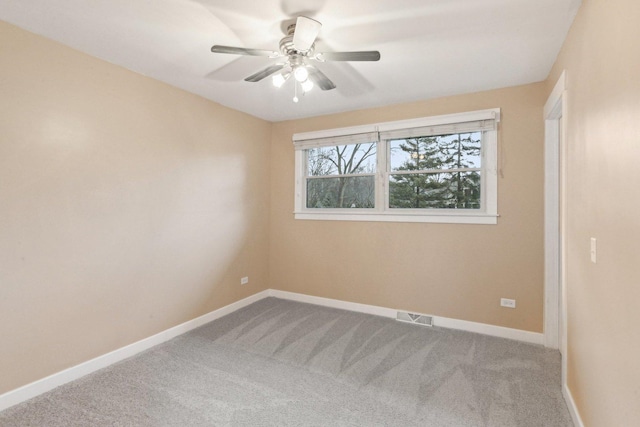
(319, 79)
(243, 51)
(368, 55)
(305, 34)
(264, 73)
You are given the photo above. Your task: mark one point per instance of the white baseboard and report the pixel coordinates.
(444, 322)
(493, 330)
(334, 303)
(573, 409)
(43, 385)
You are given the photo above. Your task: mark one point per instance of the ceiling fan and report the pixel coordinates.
(298, 48)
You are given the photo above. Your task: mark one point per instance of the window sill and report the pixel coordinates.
(442, 218)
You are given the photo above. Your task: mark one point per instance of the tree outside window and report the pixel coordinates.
(435, 172)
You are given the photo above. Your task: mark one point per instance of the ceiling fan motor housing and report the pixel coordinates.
(286, 44)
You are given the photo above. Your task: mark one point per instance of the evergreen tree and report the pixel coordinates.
(433, 185)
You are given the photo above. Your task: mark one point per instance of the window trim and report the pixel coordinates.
(489, 175)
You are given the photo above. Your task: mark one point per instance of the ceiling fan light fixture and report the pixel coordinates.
(301, 74)
(307, 85)
(279, 79)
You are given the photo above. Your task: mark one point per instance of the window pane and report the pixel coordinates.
(457, 151)
(453, 190)
(343, 192)
(342, 160)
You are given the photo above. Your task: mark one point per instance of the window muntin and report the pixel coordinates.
(457, 183)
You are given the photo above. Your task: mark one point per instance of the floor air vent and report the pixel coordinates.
(418, 319)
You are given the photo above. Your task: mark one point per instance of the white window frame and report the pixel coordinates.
(487, 214)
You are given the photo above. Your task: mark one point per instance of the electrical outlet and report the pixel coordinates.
(509, 303)
(594, 250)
(244, 280)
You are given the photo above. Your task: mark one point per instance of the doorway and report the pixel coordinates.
(554, 222)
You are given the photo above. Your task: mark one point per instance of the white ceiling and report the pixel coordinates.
(429, 48)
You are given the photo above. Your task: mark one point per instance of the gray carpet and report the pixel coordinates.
(282, 363)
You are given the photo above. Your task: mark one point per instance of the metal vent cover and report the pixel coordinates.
(418, 319)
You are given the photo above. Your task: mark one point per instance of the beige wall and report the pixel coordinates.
(457, 271)
(126, 207)
(601, 57)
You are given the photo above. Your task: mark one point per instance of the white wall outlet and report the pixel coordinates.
(506, 302)
(244, 280)
(594, 252)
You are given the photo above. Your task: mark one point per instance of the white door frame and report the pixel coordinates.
(555, 309)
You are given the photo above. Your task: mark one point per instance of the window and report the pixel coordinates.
(342, 176)
(432, 169)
